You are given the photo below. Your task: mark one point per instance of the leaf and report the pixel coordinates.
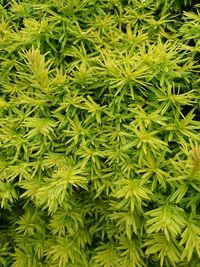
(167, 219)
(132, 192)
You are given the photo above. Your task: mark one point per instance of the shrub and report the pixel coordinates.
(99, 133)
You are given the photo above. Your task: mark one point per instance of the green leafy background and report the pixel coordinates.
(99, 133)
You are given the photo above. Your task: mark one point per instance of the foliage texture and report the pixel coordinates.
(99, 133)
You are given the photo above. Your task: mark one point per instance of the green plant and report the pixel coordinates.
(99, 133)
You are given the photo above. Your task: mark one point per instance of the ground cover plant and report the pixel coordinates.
(99, 133)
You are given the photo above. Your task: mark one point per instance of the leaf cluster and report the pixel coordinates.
(99, 133)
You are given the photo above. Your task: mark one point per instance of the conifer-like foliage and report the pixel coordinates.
(99, 133)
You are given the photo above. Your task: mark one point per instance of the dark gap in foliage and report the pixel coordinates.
(197, 57)
(191, 7)
(6, 4)
(187, 108)
(192, 43)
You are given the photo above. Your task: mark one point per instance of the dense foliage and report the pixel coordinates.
(99, 133)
